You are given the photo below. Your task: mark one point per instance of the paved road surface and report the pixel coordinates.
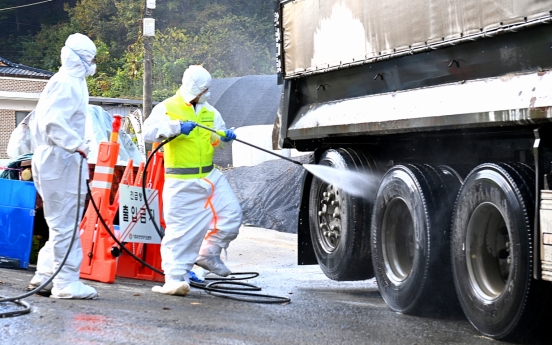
(321, 311)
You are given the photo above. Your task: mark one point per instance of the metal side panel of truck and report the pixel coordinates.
(447, 106)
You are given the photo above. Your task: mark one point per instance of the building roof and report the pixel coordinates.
(11, 69)
(117, 101)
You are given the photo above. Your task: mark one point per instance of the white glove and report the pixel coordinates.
(83, 150)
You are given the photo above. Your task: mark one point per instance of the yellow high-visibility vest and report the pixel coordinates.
(189, 156)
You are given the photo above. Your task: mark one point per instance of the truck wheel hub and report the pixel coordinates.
(329, 217)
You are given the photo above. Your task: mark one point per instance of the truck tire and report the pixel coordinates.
(492, 251)
(410, 238)
(340, 222)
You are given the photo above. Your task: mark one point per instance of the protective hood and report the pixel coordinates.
(77, 56)
(195, 80)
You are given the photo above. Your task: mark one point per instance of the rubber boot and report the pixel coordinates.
(209, 259)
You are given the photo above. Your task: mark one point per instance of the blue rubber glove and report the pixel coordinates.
(186, 127)
(230, 135)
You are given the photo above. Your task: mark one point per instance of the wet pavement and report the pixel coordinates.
(321, 311)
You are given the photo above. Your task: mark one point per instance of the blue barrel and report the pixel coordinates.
(17, 213)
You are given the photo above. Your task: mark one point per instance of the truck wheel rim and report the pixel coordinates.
(398, 241)
(329, 217)
(488, 251)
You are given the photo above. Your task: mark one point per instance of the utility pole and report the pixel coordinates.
(148, 34)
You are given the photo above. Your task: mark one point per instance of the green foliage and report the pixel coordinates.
(113, 22)
(229, 38)
(162, 94)
(235, 46)
(46, 46)
(230, 46)
(22, 24)
(123, 79)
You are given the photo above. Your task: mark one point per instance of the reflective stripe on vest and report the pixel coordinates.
(193, 150)
(188, 171)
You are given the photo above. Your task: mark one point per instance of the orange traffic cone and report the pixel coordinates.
(99, 263)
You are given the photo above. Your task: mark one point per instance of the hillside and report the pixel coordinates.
(229, 38)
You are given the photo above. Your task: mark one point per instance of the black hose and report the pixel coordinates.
(106, 227)
(16, 299)
(159, 230)
(205, 286)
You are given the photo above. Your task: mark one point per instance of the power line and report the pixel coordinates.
(35, 3)
(20, 23)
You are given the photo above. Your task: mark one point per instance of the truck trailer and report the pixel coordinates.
(448, 105)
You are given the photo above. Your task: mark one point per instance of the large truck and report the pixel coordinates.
(447, 105)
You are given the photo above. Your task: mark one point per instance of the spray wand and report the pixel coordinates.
(326, 173)
(223, 134)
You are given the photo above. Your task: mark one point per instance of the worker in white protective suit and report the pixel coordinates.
(58, 134)
(201, 212)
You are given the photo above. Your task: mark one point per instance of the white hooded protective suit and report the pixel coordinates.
(58, 132)
(187, 212)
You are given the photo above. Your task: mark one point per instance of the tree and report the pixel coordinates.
(230, 38)
(114, 22)
(20, 25)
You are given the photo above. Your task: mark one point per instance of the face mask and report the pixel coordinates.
(205, 97)
(91, 69)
